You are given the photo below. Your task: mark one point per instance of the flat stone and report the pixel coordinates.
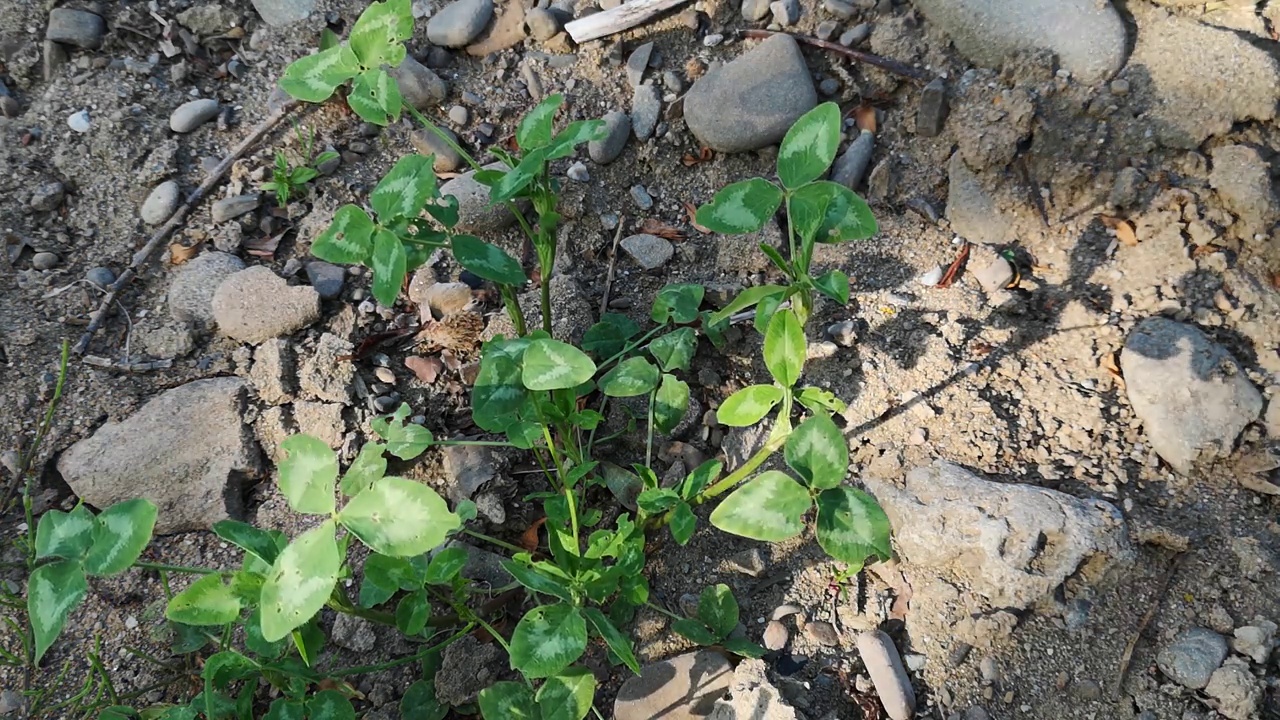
(230, 208)
(932, 114)
(195, 282)
(751, 102)
(160, 203)
(468, 666)
(75, 27)
(637, 63)
(353, 633)
(188, 450)
(971, 209)
(320, 420)
(775, 635)
(284, 12)
(1243, 181)
(419, 86)
(646, 107)
(785, 12)
(326, 278)
(506, 32)
(440, 300)
(1088, 37)
(467, 468)
(1007, 543)
(1187, 110)
(1192, 657)
(429, 143)
(255, 305)
(475, 215)
(208, 19)
(459, 23)
(684, 687)
(191, 115)
(542, 24)
(1189, 392)
(649, 251)
(44, 261)
(884, 666)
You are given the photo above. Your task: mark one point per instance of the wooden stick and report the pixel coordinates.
(623, 17)
(141, 257)
(613, 263)
(883, 63)
(1127, 656)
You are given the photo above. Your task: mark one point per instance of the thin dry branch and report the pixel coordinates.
(141, 257)
(613, 263)
(883, 63)
(623, 17)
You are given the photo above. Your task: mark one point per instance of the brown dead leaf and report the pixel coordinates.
(865, 117)
(1275, 280)
(427, 369)
(529, 538)
(704, 155)
(692, 211)
(1201, 250)
(179, 253)
(1124, 229)
(654, 226)
(1108, 363)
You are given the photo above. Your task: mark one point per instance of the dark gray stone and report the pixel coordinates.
(849, 168)
(459, 23)
(1192, 657)
(44, 261)
(326, 278)
(419, 87)
(100, 276)
(542, 24)
(617, 125)
(649, 251)
(75, 27)
(637, 63)
(932, 114)
(752, 101)
(233, 207)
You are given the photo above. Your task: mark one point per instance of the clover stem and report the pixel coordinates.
(364, 669)
(726, 483)
(648, 446)
(176, 568)
(662, 610)
(444, 137)
(493, 541)
(513, 308)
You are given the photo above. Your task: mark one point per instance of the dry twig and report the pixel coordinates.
(1127, 657)
(157, 239)
(613, 263)
(950, 276)
(892, 66)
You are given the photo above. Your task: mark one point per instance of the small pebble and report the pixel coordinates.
(822, 632)
(826, 29)
(641, 197)
(577, 172)
(100, 276)
(1119, 86)
(781, 611)
(713, 39)
(79, 121)
(855, 34)
(385, 375)
(44, 261)
(844, 333)
(931, 277)
(191, 115)
(829, 86)
(459, 115)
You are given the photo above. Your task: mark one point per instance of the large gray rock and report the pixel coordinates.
(752, 101)
(1243, 180)
(284, 12)
(418, 85)
(192, 114)
(459, 22)
(1011, 544)
(1189, 392)
(753, 696)
(75, 27)
(1193, 656)
(1186, 110)
(475, 214)
(684, 687)
(255, 305)
(195, 282)
(1087, 35)
(188, 450)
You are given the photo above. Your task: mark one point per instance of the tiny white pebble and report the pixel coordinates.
(131, 622)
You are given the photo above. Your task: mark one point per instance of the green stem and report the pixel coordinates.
(176, 568)
(444, 137)
(726, 483)
(513, 308)
(366, 669)
(626, 350)
(662, 610)
(477, 443)
(493, 541)
(791, 232)
(648, 445)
